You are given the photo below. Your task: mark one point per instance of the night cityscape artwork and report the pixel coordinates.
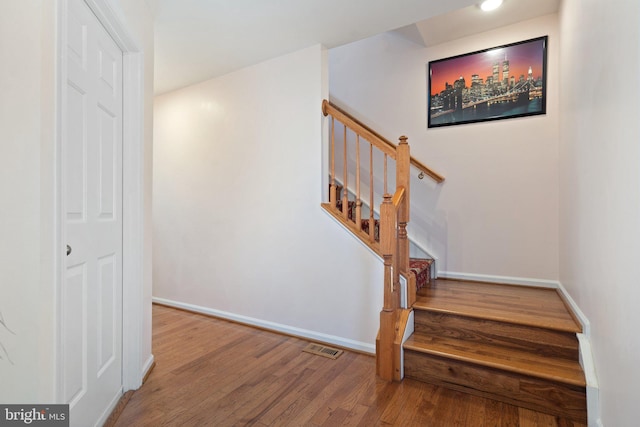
(498, 83)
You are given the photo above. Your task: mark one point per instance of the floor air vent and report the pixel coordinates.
(323, 350)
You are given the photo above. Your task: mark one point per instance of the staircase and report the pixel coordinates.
(509, 343)
(420, 267)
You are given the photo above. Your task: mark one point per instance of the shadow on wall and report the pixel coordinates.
(428, 225)
(4, 355)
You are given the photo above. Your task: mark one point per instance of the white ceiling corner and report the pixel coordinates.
(411, 33)
(472, 20)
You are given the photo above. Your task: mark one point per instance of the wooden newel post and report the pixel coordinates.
(385, 356)
(403, 179)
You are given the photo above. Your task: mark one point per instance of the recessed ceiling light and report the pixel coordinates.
(488, 5)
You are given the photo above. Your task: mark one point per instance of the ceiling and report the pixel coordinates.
(472, 20)
(196, 40)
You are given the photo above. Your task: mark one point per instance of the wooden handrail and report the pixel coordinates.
(383, 145)
(398, 197)
(427, 171)
(375, 138)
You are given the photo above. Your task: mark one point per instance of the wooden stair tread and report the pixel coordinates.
(530, 306)
(541, 341)
(554, 369)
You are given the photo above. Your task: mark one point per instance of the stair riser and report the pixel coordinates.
(518, 337)
(538, 394)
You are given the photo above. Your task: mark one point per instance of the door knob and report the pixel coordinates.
(68, 250)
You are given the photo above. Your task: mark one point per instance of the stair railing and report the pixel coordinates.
(339, 194)
(342, 127)
(392, 244)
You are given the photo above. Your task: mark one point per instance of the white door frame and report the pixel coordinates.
(133, 191)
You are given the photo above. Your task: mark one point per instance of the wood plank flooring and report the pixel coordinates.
(211, 372)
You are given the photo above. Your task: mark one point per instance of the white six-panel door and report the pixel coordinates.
(91, 296)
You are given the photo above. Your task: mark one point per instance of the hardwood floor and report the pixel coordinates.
(211, 372)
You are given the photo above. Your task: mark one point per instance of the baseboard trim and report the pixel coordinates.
(593, 391)
(148, 367)
(586, 325)
(114, 408)
(118, 409)
(272, 326)
(507, 280)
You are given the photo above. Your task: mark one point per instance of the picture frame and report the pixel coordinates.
(501, 82)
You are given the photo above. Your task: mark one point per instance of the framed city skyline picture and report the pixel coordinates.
(492, 84)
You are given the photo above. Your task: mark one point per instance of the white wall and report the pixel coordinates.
(27, 188)
(600, 190)
(26, 278)
(497, 212)
(238, 226)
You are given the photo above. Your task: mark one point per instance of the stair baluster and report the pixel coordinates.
(372, 223)
(358, 218)
(332, 188)
(345, 176)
